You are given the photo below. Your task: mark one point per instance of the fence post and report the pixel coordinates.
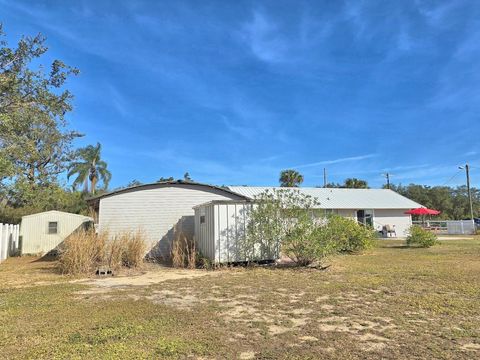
(17, 239)
(3, 244)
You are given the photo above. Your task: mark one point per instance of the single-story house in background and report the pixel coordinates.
(220, 225)
(42, 232)
(373, 207)
(160, 210)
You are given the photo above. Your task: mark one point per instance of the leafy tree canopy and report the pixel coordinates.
(34, 139)
(452, 202)
(290, 178)
(89, 167)
(164, 179)
(354, 183)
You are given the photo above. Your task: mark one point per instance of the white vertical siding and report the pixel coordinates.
(34, 230)
(222, 237)
(159, 212)
(205, 232)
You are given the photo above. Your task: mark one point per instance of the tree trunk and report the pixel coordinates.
(93, 183)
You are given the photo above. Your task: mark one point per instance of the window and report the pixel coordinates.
(52, 227)
(365, 217)
(202, 219)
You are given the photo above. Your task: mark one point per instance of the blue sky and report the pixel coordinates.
(235, 91)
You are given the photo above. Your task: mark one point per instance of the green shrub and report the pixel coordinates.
(288, 220)
(348, 235)
(308, 241)
(421, 237)
(284, 219)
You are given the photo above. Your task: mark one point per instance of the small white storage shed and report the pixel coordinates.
(220, 233)
(42, 232)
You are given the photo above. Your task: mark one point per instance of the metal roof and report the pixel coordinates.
(57, 212)
(335, 198)
(179, 183)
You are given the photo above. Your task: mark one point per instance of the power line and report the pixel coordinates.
(451, 178)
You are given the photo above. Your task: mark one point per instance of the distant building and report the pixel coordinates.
(42, 232)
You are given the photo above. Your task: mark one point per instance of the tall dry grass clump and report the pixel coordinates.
(114, 252)
(125, 249)
(81, 252)
(134, 249)
(184, 254)
(85, 251)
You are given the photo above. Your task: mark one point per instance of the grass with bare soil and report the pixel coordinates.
(392, 302)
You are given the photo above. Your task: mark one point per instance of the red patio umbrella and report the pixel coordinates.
(422, 211)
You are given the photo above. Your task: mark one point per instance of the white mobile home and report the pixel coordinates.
(220, 225)
(42, 232)
(159, 210)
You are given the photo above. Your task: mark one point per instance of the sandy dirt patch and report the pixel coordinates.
(146, 279)
(471, 347)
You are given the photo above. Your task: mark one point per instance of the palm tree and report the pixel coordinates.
(354, 183)
(89, 167)
(290, 178)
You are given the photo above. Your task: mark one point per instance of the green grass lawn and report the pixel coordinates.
(392, 302)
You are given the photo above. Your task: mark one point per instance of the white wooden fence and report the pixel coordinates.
(9, 235)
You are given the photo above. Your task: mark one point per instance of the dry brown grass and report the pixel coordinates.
(81, 252)
(84, 251)
(134, 249)
(184, 254)
(114, 253)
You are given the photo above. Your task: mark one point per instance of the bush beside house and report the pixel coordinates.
(287, 220)
(421, 237)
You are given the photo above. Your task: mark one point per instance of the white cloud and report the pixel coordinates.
(335, 161)
(263, 37)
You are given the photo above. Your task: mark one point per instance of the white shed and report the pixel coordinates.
(220, 233)
(42, 232)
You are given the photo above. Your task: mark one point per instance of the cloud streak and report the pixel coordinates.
(335, 161)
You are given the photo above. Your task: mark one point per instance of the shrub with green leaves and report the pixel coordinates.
(308, 241)
(348, 235)
(421, 237)
(289, 221)
(282, 220)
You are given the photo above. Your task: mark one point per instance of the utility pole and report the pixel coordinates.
(387, 176)
(324, 177)
(467, 172)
